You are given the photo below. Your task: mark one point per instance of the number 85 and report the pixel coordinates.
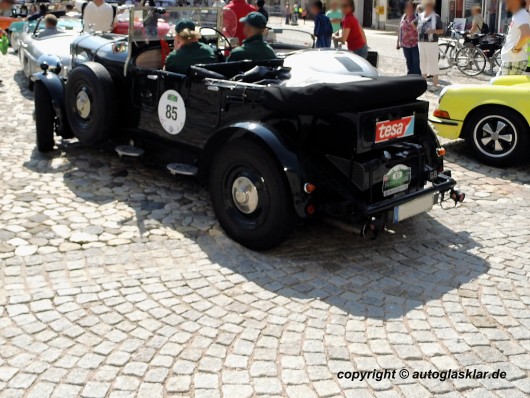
(171, 112)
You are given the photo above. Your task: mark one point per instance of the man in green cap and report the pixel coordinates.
(188, 51)
(254, 47)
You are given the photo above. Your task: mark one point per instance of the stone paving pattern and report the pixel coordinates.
(117, 281)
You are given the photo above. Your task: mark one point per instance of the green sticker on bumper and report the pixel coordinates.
(396, 180)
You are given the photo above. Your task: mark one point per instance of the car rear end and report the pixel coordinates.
(379, 161)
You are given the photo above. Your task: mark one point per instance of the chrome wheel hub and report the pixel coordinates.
(245, 195)
(493, 134)
(82, 104)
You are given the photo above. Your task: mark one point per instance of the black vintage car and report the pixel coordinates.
(313, 132)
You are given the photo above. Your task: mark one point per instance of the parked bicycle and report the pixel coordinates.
(479, 51)
(470, 53)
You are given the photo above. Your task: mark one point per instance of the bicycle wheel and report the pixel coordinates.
(446, 55)
(470, 61)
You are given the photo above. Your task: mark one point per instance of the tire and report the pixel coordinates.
(470, 61)
(267, 218)
(44, 118)
(90, 103)
(446, 55)
(511, 129)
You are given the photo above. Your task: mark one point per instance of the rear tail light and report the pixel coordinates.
(441, 114)
(440, 151)
(308, 187)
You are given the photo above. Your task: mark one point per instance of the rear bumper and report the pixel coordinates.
(446, 128)
(442, 184)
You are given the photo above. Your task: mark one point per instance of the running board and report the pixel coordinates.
(129, 150)
(182, 169)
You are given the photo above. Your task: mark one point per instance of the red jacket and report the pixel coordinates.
(241, 8)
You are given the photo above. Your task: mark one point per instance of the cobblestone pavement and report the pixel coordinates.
(116, 280)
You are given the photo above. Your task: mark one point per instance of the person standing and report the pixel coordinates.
(323, 29)
(241, 8)
(294, 20)
(335, 16)
(477, 25)
(352, 32)
(429, 25)
(408, 39)
(262, 10)
(514, 58)
(98, 16)
(493, 7)
(287, 14)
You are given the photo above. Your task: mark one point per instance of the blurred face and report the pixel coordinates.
(248, 30)
(346, 8)
(333, 6)
(314, 10)
(409, 9)
(428, 7)
(513, 5)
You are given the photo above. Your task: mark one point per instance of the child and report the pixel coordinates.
(323, 28)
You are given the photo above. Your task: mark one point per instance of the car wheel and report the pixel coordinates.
(250, 195)
(498, 136)
(90, 102)
(44, 118)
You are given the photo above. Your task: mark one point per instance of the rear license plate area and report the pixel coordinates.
(413, 208)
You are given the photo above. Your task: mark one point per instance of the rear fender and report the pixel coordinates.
(272, 142)
(55, 86)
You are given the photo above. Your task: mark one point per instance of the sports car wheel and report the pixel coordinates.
(498, 136)
(250, 195)
(90, 103)
(44, 118)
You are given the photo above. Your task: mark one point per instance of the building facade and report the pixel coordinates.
(493, 11)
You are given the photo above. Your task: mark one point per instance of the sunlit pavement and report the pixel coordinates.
(116, 280)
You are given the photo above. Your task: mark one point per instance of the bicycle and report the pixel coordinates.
(478, 51)
(448, 47)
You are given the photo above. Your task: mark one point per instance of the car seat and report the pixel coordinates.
(150, 59)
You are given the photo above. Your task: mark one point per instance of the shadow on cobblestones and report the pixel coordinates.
(23, 84)
(383, 279)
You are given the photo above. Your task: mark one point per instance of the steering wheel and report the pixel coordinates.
(225, 39)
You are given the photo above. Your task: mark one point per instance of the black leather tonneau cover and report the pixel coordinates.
(327, 98)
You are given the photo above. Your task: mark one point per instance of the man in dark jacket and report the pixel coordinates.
(262, 10)
(254, 46)
(323, 27)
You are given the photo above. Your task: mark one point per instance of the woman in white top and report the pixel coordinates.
(429, 28)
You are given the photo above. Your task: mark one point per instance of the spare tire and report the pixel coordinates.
(90, 97)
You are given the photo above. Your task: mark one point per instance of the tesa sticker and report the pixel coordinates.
(393, 129)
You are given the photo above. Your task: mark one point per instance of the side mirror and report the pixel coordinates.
(58, 68)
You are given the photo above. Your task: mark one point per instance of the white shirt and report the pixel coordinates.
(100, 17)
(520, 18)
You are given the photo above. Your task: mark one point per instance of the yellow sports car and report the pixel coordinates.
(493, 119)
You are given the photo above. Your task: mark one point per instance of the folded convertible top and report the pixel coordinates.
(322, 98)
